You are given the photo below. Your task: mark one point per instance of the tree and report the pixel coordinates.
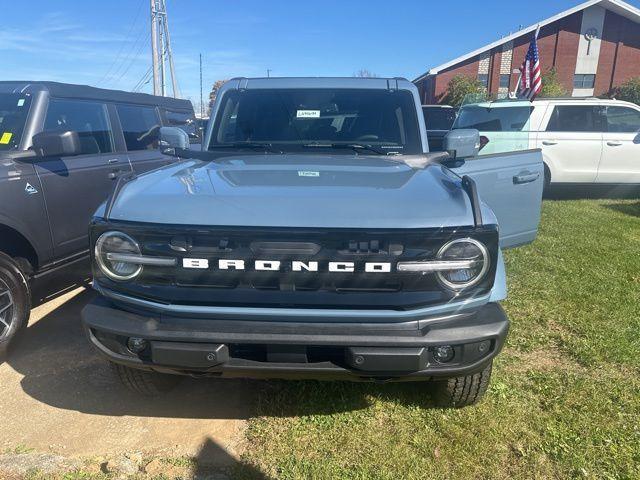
(214, 92)
(460, 87)
(551, 86)
(629, 91)
(364, 73)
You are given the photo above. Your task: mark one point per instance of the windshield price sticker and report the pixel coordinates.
(308, 114)
(5, 138)
(21, 102)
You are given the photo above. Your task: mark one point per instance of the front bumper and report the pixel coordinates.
(198, 345)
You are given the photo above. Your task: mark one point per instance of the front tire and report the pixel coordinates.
(458, 392)
(15, 301)
(143, 382)
(547, 178)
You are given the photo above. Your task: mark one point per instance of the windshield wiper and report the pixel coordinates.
(267, 147)
(352, 146)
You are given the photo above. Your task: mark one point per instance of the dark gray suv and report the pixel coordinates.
(61, 148)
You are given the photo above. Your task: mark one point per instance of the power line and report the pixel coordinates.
(133, 57)
(143, 80)
(121, 49)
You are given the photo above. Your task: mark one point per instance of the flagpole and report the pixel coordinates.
(514, 93)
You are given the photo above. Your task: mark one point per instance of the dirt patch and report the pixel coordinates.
(541, 360)
(59, 397)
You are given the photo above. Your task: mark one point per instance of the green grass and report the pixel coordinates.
(565, 396)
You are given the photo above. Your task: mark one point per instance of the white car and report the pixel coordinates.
(582, 140)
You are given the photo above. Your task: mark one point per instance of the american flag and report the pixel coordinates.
(530, 78)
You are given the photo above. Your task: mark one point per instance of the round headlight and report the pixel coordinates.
(108, 247)
(470, 252)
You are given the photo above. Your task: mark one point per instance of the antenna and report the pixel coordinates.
(161, 49)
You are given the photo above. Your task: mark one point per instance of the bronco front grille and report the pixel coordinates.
(286, 286)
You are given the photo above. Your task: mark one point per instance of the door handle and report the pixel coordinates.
(549, 142)
(525, 177)
(113, 161)
(614, 144)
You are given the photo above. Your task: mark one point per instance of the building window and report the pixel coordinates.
(484, 79)
(584, 80)
(505, 80)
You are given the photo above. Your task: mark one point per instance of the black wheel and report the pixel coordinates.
(149, 384)
(457, 392)
(15, 301)
(547, 178)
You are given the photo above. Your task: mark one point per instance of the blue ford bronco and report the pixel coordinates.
(314, 236)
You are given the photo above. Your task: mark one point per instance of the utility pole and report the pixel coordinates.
(154, 49)
(201, 98)
(161, 49)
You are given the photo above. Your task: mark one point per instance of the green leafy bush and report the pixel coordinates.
(551, 86)
(629, 91)
(462, 86)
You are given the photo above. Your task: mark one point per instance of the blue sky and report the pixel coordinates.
(106, 43)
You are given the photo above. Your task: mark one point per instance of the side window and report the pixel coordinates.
(185, 121)
(575, 118)
(89, 119)
(140, 126)
(623, 120)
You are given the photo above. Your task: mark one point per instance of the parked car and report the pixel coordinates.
(315, 237)
(62, 149)
(583, 141)
(438, 121)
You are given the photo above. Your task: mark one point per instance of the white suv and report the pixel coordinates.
(582, 140)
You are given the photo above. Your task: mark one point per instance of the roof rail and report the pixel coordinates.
(543, 99)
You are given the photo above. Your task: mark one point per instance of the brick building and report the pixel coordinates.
(594, 47)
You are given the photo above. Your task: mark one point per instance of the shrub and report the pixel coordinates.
(462, 86)
(551, 86)
(629, 91)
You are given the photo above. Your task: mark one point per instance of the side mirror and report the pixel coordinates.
(56, 144)
(464, 143)
(172, 138)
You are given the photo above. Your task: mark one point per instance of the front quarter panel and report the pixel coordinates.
(22, 205)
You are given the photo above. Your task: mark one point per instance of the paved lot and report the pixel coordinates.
(59, 396)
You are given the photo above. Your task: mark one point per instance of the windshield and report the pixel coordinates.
(438, 118)
(13, 115)
(374, 121)
(494, 119)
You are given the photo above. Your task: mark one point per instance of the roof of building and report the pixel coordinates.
(69, 90)
(616, 6)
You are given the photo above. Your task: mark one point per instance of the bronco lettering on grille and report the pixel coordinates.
(295, 265)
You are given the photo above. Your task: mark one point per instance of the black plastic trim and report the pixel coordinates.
(488, 322)
(469, 186)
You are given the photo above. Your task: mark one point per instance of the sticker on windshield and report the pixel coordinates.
(21, 102)
(308, 114)
(6, 138)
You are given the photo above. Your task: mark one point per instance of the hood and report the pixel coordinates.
(315, 191)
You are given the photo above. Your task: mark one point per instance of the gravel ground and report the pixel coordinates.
(59, 398)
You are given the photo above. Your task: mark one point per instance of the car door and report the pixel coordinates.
(141, 129)
(511, 185)
(503, 126)
(621, 150)
(571, 142)
(75, 186)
